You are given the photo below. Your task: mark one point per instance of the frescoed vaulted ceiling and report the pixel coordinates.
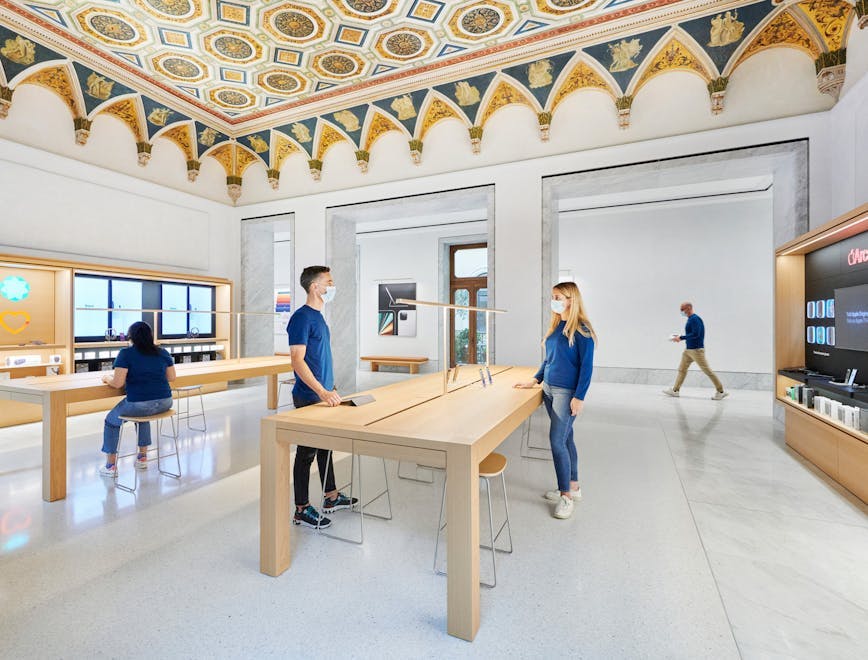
(246, 80)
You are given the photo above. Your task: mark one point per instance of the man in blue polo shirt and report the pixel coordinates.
(694, 338)
(311, 353)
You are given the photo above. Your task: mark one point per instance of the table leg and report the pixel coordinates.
(462, 549)
(53, 447)
(272, 392)
(274, 501)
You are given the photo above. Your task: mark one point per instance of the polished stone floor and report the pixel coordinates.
(699, 536)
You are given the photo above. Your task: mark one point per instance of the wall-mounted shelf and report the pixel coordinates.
(31, 366)
(29, 347)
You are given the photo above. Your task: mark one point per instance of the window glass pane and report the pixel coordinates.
(481, 328)
(125, 295)
(174, 296)
(461, 340)
(472, 262)
(91, 292)
(200, 301)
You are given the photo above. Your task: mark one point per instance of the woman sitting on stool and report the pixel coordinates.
(146, 370)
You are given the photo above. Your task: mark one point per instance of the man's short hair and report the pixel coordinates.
(310, 273)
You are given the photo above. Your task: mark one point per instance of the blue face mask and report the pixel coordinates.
(329, 294)
(558, 306)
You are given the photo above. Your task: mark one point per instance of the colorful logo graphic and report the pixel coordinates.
(15, 288)
(14, 322)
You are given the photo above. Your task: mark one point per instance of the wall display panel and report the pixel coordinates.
(26, 306)
(836, 282)
(90, 292)
(174, 296)
(396, 318)
(201, 300)
(125, 294)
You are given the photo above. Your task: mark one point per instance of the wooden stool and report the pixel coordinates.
(490, 467)
(158, 418)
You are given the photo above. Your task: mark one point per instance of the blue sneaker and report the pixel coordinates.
(310, 517)
(338, 503)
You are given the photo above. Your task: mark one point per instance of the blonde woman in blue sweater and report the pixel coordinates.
(565, 375)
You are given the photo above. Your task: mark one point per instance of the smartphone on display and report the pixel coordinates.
(830, 335)
(811, 334)
(821, 309)
(821, 334)
(811, 309)
(830, 308)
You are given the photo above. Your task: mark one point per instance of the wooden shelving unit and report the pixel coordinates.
(839, 451)
(49, 310)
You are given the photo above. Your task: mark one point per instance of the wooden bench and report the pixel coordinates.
(392, 361)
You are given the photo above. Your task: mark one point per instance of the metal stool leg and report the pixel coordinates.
(118, 483)
(440, 527)
(491, 536)
(201, 413)
(416, 478)
(175, 453)
(360, 507)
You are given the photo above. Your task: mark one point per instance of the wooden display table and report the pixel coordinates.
(54, 393)
(409, 421)
(395, 361)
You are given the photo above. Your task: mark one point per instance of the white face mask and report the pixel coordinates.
(683, 313)
(558, 306)
(329, 294)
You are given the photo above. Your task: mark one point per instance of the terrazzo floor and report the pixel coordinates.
(700, 535)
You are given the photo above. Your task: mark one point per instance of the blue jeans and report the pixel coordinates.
(557, 402)
(112, 429)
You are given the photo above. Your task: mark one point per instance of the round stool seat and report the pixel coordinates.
(149, 418)
(187, 388)
(492, 465)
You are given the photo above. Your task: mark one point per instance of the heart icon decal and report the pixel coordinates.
(14, 322)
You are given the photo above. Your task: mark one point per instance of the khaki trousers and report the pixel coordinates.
(695, 355)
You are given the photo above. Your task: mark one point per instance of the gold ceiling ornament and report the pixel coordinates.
(674, 56)
(82, 127)
(830, 18)
(5, 101)
(337, 64)
(273, 178)
(182, 138)
(366, 10)
(862, 13)
(111, 27)
(480, 20)
(504, 94)
(223, 155)
(831, 69)
(282, 82)
(544, 119)
(232, 46)
(437, 110)
(403, 44)
(583, 76)
(175, 11)
(716, 91)
(143, 153)
(58, 80)
(328, 137)
(283, 149)
(623, 104)
(233, 187)
(244, 158)
(362, 158)
(380, 124)
(315, 167)
(292, 23)
(782, 30)
(232, 98)
(180, 67)
(475, 139)
(561, 7)
(126, 111)
(19, 50)
(416, 151)
(193, 166)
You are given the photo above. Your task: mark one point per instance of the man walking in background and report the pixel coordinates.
(694, 338)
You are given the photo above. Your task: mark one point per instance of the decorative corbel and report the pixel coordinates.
(315, 166)
(362, 158)
(273, 178)
(862, 13)
(830, 72)
(475, 138)
(717, 90)
(233, 187)
(5, 101)
(193, 170)
(144, 153)
(82, 129)
(416, 151)
(623, 104)
(545, 123)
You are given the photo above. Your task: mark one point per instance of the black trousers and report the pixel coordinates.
(303, 460)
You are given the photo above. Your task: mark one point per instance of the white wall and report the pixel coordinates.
(715, 252)
(410, 255)
(56, 207)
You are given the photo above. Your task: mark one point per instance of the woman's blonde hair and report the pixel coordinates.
(577, 320)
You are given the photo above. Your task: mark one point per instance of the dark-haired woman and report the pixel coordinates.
(146, 371)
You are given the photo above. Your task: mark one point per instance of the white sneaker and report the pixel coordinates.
(564, 508)
(671, 392)
(720, 395)
(555, 495)
(142, 463)
(106, 471)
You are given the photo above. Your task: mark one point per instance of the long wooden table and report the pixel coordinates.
(409, 421)
(53, 393)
